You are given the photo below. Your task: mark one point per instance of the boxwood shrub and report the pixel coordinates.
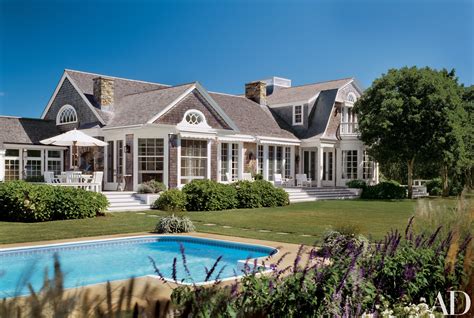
(171, 200)
(24, 202)
(384, 191)
(259, 193)
(356, 184)
(209, 195)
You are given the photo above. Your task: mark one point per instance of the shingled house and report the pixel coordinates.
(175, 134)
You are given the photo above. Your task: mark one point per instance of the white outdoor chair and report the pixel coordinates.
(278, 180)
(228, 176)
(96, 181)
(302, 180)
(73, 176)
(247, 177)
(49, 177)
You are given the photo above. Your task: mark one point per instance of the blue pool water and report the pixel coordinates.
(101, 261)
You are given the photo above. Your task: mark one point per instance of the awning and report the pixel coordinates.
(196, 135)
(231, 138)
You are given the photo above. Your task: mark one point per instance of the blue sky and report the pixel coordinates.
(224, 43)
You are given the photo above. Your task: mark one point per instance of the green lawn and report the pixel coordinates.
(374, 218)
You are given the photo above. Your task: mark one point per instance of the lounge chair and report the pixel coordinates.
(49, 177)
(96, 181)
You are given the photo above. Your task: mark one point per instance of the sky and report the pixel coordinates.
(223, 44)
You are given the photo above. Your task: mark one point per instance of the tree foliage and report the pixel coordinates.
(414, 114)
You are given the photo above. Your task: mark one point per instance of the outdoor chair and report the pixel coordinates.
(302, 180)
(278, 180)
(228, 176)
(73, 176)
(96, 181)
(49, 177)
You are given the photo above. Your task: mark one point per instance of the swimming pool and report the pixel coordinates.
(91, 262)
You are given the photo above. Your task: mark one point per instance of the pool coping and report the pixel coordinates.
(252, 262)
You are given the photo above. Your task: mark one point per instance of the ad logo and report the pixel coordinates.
(452, 303)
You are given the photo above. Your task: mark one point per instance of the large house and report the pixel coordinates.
(175, 134)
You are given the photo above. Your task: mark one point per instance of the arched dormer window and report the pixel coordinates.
(351, 97)
(194, 119)
(66, 115)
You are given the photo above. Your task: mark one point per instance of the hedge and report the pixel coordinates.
(25, 202)
(384, 191)
(171, 200)
(209, 195)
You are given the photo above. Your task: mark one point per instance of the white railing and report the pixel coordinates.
(349, 128)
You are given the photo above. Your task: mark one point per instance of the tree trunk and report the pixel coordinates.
(445, 178)
(411, 164)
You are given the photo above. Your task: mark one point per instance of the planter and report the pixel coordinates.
(147, 198)
(356, 191)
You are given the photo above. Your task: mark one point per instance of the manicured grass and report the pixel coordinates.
(373, 218)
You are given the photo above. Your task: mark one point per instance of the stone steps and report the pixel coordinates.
(124, 201)
(314, 194)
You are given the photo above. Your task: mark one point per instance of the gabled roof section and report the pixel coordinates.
(304, 92)
(250, 117)
(16, 130)
(140, 108)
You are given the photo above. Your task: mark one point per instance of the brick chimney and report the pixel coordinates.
(257, 92)
(104, 92)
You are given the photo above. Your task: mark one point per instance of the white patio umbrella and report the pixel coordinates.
(74, 138)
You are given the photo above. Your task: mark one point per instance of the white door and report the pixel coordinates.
(328, 169)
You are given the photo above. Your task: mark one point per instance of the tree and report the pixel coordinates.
(408, 115)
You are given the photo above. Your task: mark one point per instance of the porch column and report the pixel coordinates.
(319, 174)
(376, 172)
(292, 162)
(338, 167)
(2, 164)
(241, 161)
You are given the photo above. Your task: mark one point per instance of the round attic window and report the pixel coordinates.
(351, 97)
(194, 118)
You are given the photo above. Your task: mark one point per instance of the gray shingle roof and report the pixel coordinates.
(139, 108)
(250, 117)
(303, 92)
(25, 130)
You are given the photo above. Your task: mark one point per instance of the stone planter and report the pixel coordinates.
(147, 198)
(356, 191)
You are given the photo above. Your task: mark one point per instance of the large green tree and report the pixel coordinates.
(412, 114)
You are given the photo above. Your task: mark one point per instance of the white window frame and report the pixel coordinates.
(345, 164)
(40, 159)
(295, 123)
(16, 158)
(55, 159)
(63, 109)
(181, 156)
(139, 170)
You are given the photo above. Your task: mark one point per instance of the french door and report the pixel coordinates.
(309, 164)
(328, 168)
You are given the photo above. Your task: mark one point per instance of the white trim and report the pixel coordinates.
(294, 115)
(185, 125)
(288, 104)
(233, 138)
(60, 112)
(79, 91)
(196, 135)
(19, 146)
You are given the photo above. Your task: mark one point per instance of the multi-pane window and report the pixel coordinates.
(287, 162)
(260, 159)
(349, 121)
(368, 166)
(34, 164)
(349, 164)
(224, 161)
(110, 161)
(297, 114)
(150, 159)
(229, 161)
(67, 115)
(271, 162)
(193, 160)
(279, 159)
(54, 161)
(12, 164)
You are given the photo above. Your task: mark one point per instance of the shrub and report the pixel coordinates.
(336, 243)
(258, 176)
(356, 184)
(35, 179)
(435, 186)
(209, 195)
(174, 224)
(151, 186)
(270, 195)
(384, 191)
(171, 200)
(247, 196)
(26, 202)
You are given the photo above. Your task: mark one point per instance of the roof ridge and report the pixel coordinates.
(233, 95)
(159, 89)
(335, 80)
(116, 77)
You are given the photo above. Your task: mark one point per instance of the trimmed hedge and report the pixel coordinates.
(209, 195)
(171, 200)
(356, 184)
(386, 190)
(24, 202)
